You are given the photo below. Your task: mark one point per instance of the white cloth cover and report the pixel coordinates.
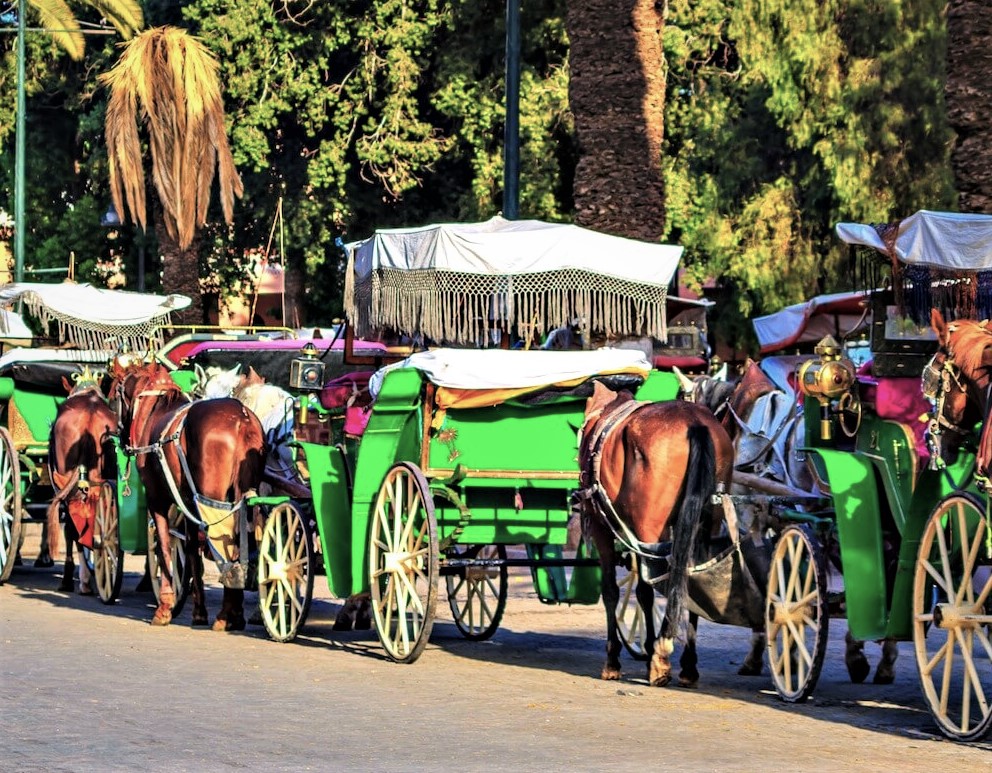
(98, 306)
(500, 247)
(947, 240)
(12, 326)
(513, 368)
(810, 321)
(91, 356)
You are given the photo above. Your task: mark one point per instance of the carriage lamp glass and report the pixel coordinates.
(306, 372)
(826, 379)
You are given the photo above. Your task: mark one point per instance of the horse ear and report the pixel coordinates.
(939, 326)
(65, 383)
(686, 384)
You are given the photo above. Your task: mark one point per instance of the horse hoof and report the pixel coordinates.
(610, 674)
(43, 562)
(66, 587)
(881, 678)
(749, 670)
(858, 670)
(237, 624)
(85, 590)
(689, 684)
(661, 681)
(161, 618)
(199, 621)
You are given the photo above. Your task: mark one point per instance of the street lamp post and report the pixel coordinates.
(19, 152)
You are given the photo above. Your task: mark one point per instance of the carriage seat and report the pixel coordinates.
(349, 392)
(899, 399)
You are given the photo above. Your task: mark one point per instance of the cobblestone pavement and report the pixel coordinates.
(88, 687)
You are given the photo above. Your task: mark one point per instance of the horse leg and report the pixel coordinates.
(689, 675)
(85, 575)
(885, 673)
(660, 665)
(232, 612)
(194, 560)
(68, 566)
(611, 598)
(753, 663)
(855, 660)
(167, 593)
(44, 559)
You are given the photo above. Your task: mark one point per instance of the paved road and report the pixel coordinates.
(85, 687)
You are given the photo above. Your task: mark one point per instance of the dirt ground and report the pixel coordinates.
(88, 687)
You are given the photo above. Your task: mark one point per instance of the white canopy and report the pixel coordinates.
(513, 368)
(451, 282)
(833, 314)
(947, 240)
(94, 318)
(12, 326)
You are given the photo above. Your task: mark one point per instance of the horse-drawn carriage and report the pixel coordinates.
(903, 549)
(34, 383)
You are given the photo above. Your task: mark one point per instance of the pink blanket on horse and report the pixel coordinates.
(897, 399)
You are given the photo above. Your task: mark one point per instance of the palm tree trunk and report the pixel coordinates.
(617, 95)
(180, 273)
(968, 93)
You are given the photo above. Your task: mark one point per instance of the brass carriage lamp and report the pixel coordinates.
(827, 379)
(306, 374)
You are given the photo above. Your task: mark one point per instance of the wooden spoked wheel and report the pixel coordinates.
(796, 613)
(10, 504)
(285, 572)
(952, 617)
(108, 558)
(477, 594)
(631, 622)
(403, 562)
(180, 564)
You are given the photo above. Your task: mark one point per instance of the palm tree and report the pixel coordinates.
(167, 81)
(617, 95)
(58, 19)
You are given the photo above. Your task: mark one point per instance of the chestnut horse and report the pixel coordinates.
(649, 470)
(205, 457)
(81, 457)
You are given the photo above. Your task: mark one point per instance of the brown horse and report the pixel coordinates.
(649, 470)
(81, 457)
(205, 457)
(957, 379)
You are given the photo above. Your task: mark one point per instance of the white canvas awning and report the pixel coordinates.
(834, 314)
(451, 282)
(94, 318)
(946, 240)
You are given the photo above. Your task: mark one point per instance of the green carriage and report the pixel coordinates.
(93, 325)
(901, 534)
(468, 461)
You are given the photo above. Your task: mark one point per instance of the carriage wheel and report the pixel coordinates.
(630, 617)
(952, 617)
(403, 562)
(477, 594)
(285, 572)
(180, 564)
(10, 504)
(108, 558)
(796, 613)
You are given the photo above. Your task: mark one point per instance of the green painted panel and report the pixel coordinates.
(894, 446)
(6, 387)
(554, 585)
(328, 468)
(854, 491)
(131, 508)
(38, 410)
(186, 379)
(660, 385)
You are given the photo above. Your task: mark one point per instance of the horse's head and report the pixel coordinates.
(956, 381)
(221, 383)
(140, 388)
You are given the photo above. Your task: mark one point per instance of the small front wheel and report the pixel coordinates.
(285, 572)
(108, 558)
(952, 617)
(403, 562)
(477, 592)
(796, 613)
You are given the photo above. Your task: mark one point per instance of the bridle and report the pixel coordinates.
(941, 376)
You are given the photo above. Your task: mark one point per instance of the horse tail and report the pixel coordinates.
(55, 506)
(700, 484)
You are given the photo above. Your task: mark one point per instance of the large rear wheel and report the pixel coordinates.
(477, 592)
(10, 504)
(796, 613)
(952, 617)
(108, 558)
(285, 572)
(403, 562)
(180, 565)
